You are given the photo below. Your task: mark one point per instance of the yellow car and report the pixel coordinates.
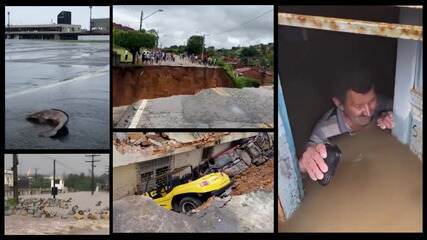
(188, 194)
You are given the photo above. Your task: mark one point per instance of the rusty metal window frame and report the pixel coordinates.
(419, 7)
(403, 31)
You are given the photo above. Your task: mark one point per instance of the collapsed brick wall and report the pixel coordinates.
(132, 83)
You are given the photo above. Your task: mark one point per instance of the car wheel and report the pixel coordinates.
(189, 203)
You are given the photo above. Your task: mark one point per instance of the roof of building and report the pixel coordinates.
(134, 147)
(42, 25)
(244, 69)
(100, 19)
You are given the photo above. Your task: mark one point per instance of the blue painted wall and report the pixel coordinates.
(408, 75)
(289, 178)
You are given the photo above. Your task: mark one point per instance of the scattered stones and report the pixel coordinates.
(92, 216)
(79, 215)
(49, 213)
(74, 209)
(51, 208)
(105, 215)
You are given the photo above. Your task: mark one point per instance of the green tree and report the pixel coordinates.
(41, 182)
(267, 60)
(154, 32)
(134, 40)
(247, 53)
(81, 182)
(195, 44)
(210, 51)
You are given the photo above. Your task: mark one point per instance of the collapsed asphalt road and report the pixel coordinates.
(250, 212)
(209, 108)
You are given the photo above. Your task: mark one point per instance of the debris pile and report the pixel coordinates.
(255, 178)
(154, 142)
(254, 151)
(252, 212)
(141, 214)
(51, 208)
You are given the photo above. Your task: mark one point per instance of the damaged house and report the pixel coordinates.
(140, 156)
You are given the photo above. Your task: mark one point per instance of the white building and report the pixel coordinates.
(59, 183)
(8, 178)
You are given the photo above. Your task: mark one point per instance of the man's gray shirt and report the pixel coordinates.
(333, 124)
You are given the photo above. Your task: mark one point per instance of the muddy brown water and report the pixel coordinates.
(377, 188)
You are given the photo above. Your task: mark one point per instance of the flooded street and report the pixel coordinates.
(69, 75)
(18, 224)
(377, 188)
(24, 225)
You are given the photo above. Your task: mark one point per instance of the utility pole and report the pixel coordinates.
(35, 176)
(140, 21)
(149, 15)
(8, 20)
(90, 19)
(203, 46)
(93, 166)
(15, 178)
(54, 192)
(107, 174)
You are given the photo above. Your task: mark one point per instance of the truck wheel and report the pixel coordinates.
(189, 203)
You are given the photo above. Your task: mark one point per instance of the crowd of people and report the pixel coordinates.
(159, 57)
(194, 59)
(154, 57)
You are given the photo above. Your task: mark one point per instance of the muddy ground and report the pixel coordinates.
(255, 178)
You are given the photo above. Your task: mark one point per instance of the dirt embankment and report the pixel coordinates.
(132, 83)
(255, 178)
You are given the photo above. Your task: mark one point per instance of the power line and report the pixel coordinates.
(64, 165)
(249, 21)
(93, 166)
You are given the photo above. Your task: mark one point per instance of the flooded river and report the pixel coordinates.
(69, 75)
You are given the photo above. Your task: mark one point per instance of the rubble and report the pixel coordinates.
(255, 178)
(252, 212)
(249, 208)
(141, 214)
(52, 208)
(209, 108)
(152, 142)
(41, 214)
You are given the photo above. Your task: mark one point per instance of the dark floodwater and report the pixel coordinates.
(68, 75)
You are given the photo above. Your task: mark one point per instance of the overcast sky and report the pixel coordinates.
(66, 163)
(44, 15)
(222, 24)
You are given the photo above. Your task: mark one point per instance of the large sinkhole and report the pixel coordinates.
(132, 83)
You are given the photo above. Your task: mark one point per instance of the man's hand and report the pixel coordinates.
(385, 121)
(312, 161)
